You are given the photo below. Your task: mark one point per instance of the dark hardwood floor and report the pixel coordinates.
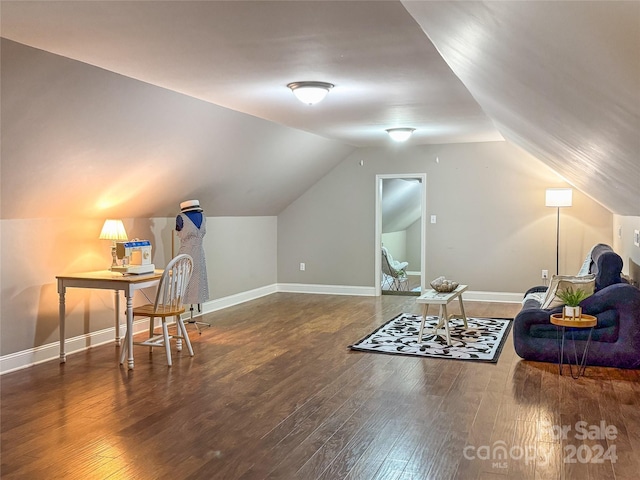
(273, 392)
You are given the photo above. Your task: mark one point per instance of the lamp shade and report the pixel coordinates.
(558, 197)
(400, 134)
(310, 92)
(113, 230)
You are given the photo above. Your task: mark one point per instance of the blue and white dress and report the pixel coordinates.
(191, 243)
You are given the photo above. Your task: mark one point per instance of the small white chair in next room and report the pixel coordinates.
(168, 304)
(394, 276)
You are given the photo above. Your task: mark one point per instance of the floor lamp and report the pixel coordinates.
(558, 197)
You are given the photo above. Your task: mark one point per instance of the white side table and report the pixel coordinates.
(431, 297)
(562, 322)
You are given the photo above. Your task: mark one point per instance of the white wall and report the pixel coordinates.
(396, 244)
(241, 254)
(414, 246)
(623, 228)
(493, 231)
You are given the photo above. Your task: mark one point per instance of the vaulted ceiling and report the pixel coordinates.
(560, 79)
(401, 205)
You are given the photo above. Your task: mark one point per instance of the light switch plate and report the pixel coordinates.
(433, 219)
(636, 238)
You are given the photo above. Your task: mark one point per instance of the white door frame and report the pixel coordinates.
(423, 226)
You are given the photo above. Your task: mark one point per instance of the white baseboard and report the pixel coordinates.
(498, 297)
(51, 351)
(238, 298)
(327, 289)
(475, 296)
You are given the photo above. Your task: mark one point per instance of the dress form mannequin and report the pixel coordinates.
(191, 228)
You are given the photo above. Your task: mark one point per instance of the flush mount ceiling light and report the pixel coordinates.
(400, 134)
(310, 92)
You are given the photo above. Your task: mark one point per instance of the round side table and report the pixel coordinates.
(562, 323)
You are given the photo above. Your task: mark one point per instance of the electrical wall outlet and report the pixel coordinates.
(545, 274)
(636, 238)
(302, 267)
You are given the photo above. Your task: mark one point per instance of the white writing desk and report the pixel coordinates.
(106, 280)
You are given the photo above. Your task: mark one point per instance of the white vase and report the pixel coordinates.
(572, 312)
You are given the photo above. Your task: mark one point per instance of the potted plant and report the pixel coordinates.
(572, 299)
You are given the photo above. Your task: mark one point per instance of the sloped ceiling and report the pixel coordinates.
(401, 205)
(78, 141)
(560, 79)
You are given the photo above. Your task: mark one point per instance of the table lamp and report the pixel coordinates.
(113, 230)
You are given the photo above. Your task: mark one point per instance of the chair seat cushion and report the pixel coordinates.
(162, 311)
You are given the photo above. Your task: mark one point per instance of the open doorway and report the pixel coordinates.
(400, 233)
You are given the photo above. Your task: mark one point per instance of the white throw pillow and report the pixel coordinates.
(587, 283)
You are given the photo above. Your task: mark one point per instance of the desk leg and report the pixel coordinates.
(61, 319)
(117, 307)
(129, 338)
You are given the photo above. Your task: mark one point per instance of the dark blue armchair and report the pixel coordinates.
(615, 341)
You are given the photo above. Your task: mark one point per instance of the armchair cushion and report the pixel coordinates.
(562, 282)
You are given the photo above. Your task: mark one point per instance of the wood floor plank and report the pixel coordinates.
(343, 462)
(372, 459)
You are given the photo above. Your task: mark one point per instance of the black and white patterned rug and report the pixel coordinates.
(482, 341)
